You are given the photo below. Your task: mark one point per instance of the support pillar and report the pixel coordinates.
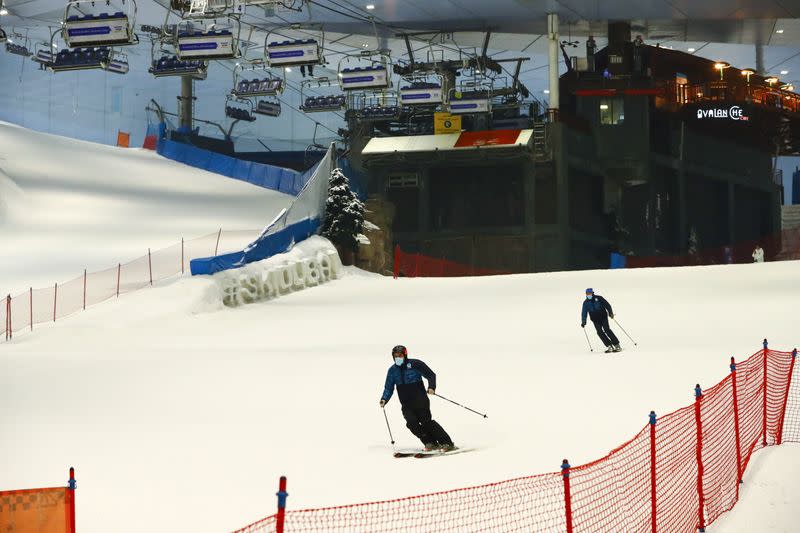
(552, 58)
(186, 99)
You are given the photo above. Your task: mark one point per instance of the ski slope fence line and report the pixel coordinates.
(419, 265)
(37, 306)
(678, 474)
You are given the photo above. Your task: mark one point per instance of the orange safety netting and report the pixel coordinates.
(49, 510)
(678, 474)
(419, 265)
(36, 306)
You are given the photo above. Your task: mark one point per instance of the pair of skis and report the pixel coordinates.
(424, 454)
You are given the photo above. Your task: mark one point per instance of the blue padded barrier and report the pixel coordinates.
(270, 177)
(264, 247)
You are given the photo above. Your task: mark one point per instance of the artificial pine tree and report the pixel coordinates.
(344, 216)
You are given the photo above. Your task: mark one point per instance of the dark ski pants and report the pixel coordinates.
(420, 422)
(603, 331)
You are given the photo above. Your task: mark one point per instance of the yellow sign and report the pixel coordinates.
(446, 123)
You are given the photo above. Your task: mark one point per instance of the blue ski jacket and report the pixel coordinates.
(408, 380)
(596, 308)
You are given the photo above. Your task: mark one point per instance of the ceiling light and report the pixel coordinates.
(778, 31)
(370, 6)
(604, 106)
(287, 69)
(784, 72)
(547, 91)
(691, 49)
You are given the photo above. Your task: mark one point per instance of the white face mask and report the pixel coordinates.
(399, 361)
(589, 296)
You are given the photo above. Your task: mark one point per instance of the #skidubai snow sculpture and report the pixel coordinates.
(277, 276)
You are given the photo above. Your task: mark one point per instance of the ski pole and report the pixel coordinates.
(387, 425)
(587, 339)
(462, 406)
(625, 332)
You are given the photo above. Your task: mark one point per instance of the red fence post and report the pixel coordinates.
(786, 396)
(150, 265)
(567, 497)
(31, 306)
(218, 236)
(653, 471)
(84, 289)
(764, 425)
(281, 494)
(397, 253)
(736, 427)
(701, 522)
(119, 271)
(72, 486)
(55, 300)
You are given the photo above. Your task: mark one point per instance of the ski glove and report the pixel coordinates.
(583, 324)
(611, 315)
(383, 402)
(431, 391)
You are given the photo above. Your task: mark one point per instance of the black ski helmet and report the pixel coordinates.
(400, 349)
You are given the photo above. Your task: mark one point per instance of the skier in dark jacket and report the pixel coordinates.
(599, 310)
(406, 374)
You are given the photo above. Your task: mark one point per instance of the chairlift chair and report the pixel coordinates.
(269, 108)
(423, 89)
(43, 53)
(239, 109)
(209, 44)
(81, 30)
(243, 87)
(289, 53)
(320, 103)
(170, 65)
(472, 96)
(117, 62)
(357, 74)
(199, 9)
(88, 58)
(18, 44)
(372, 107)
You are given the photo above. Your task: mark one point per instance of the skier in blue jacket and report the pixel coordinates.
(406, 374)
(599, 310)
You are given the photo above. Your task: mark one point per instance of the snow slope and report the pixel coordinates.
(66, 205)
(180, 415)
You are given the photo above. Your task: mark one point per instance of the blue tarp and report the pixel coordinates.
(270, 177)
(267, 246)
(617, 260)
